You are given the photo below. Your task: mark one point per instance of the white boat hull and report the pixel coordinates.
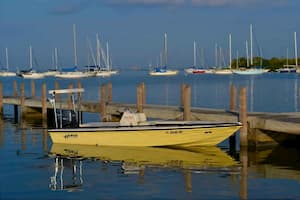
(164, 73)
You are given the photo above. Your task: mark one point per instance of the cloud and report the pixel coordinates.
(206, 3)
(63, 7)
(69, 7)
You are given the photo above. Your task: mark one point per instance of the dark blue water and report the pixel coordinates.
(28, 171)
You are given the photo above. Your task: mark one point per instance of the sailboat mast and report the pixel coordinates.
(230, 56)
(287, 57)
(195, 53)
(75, 45)
(55, 55)
(216, 54)
(247, 53)
(165, 49)
(30, 56)
(98, 50)
(296, 49)
(6, 55)
(237, 60)
(251, 46)
(107, 56)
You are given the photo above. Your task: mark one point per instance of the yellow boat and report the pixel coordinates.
(182, 135)
(208, 158)
(134, 130)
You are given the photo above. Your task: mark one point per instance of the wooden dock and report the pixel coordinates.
(259, 128)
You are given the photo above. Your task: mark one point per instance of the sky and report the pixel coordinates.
(134, 30)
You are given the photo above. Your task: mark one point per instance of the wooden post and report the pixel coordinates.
(143, 93)
(79, 98)
(232, 98)
(44, 101)
(244, 173)
(15, 88)
(22, 99)
(109, 92)
(243, 117)
(70, 86)
(139, 98)
(187, 103)
(32, 88)
(15, 106)
(182, 94)
(232, 139)
(188, 180)
(1, 100)
(103, 103)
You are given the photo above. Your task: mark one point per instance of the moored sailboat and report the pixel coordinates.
(31, 73)
(5, 72)
(163, 69)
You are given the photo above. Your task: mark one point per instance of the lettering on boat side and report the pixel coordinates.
(71, 152)
(72, 135)
(207, 132)
(174, 132)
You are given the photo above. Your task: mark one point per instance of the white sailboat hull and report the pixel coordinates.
(70, 75)
(7, 74)
(164, 73)
(33, 75)
(249, 72)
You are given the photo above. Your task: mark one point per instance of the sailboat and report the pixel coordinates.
(6, 72)
(53, 72)
(225, 71)
(296, 52)
(72, 72)
(194, 69)
(287, 68)
(163, 70)
(30, 73)
(252, 70)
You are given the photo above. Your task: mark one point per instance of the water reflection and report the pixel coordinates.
(62, 179)
(280, 162)
(135, 160)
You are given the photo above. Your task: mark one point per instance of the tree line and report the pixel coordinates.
(272, 64)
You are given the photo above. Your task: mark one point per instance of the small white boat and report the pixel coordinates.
(70, 75)
(250, 71)
(163, 72)
(5, 72)
(31, 74)
(223, 71)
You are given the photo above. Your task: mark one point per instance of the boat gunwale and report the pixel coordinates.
(150, 127)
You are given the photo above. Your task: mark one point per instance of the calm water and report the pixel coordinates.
(30, 171)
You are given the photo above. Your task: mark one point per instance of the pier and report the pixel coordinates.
(258, 128)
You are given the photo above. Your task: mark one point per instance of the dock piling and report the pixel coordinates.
(32, 88)
(1, 100)
(232, 98)
(22, 99)
(109, 92)
(103, 102)
(139, 98)
(15, 89)
(187, 103)
(44, 101)
(70, 86)
(243, 117)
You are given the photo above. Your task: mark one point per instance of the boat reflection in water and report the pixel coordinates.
(134, 160)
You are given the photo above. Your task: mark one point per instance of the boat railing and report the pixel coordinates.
(75, 101)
